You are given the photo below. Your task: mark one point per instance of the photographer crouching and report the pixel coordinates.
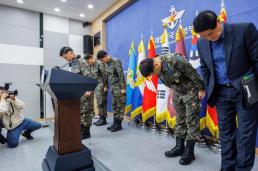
(13, 120)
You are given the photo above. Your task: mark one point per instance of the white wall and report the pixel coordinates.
(21, 56)
(59, 32)
(56, 24)
(24, 55)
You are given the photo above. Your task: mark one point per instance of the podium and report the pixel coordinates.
(68, 153)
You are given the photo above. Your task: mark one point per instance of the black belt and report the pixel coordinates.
(225, 85)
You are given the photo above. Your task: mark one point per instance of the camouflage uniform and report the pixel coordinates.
(117, 80)
(101, 95)
(179, 75)
(79, 66)
(97, 71)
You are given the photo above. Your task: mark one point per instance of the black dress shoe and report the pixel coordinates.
(2, 139)
(27, 135)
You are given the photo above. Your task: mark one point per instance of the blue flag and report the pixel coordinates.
(130, 81)
(139, 85)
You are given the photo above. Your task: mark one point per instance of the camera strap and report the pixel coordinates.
(12, 112)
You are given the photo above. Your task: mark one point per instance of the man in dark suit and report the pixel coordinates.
(229, 52)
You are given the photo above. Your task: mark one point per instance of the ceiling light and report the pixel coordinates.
(82, 15)
(63, 0)
(90, 6)
(57, 9)
(20, 1)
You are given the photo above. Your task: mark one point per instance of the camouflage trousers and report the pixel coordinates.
(101, 97)
(87, 109)
(187, 115)
(118, 102)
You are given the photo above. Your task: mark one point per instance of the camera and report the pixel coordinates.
(6, 88)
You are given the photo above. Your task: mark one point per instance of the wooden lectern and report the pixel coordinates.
(68, 152)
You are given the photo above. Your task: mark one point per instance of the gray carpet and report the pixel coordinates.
(135, 149)
(132, 149)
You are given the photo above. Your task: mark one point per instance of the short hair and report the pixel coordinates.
(205, 20)
(1, 88)
(88, 56)
(61, 53)
(101, 54)
(147, 67)
(67, 49)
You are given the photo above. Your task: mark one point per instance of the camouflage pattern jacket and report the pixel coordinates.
(115, 73)
(178, 74)
(97, 70)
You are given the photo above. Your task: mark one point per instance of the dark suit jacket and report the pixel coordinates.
(241, 52)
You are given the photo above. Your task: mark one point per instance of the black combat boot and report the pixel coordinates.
(2, 139)
(178, 150)
(86, 133)
(188, 155)
(82, 129)
(102, 121)
(111, 126)
(117, 126)
(27, 135)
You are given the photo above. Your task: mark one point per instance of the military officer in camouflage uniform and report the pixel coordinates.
(116, 78)
(86, 102)
(96, 69)
(176, 73)
(101, 93)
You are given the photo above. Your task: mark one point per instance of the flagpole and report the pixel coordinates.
(143, 125)
(165, 130)
(154, 125)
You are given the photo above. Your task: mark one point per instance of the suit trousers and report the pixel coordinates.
(238, 127)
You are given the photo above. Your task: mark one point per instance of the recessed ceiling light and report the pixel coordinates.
(82, 15)
(90, 6)
(20, 1)
(63, 0)
(57, 9)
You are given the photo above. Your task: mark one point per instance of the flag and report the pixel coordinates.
(171, 117)
(180, 41)
(139, 85)
(165, 42)
(194, 57)
(163, 91)
(150, 87)
(212, 121)
(223, 14)
(162, 102)
(130, 81)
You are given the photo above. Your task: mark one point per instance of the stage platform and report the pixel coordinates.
(131, 149)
